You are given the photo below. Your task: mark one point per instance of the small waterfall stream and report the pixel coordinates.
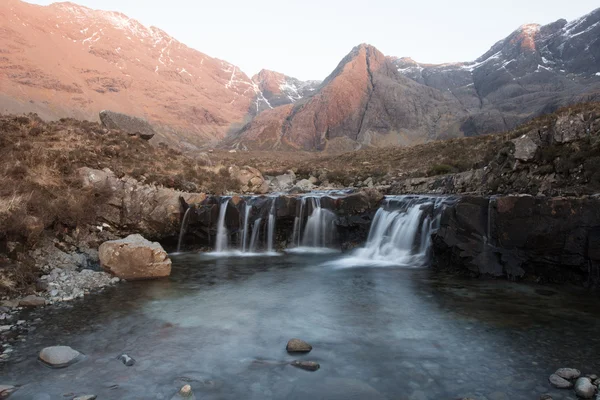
(183, 228)
(222, 242)
(271, 225)
(320, 226)
(255, 232)
(247, 211)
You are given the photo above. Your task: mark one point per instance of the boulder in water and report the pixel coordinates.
(584, 388)
(59, 356)
(560, 383)
(306, 365)
(568, 373)
(298, 346)
(134, 258)
(131, 125)
(125, 359)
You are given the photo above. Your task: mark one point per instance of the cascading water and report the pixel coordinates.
(183, 228)
(401, 232)
(222, 232)
(271, 225)
(254, 238)
(247, 210)
(319, 231)
(297, 234)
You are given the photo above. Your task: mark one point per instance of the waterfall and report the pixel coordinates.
(297, 233)
(183, 228)
(271, 225)
(320, 227)
(222, 233)
(245, 231)
(255, 232)
(401, 232)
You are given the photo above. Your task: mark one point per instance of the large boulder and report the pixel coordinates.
(283, 182)
(126, 123)
(251, 180)
(525, 148)
(134, 258)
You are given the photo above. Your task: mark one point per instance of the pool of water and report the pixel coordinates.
(221, 325)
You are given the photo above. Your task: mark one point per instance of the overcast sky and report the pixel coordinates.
(307, 38)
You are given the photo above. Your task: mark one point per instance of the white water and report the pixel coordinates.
(400, 233)
(320, 226)
(255, 232)
(222, 232)
(247, 210)
(183, 228)
(271, 225)
(297, 235)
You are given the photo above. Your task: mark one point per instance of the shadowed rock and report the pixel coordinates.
(131, 125)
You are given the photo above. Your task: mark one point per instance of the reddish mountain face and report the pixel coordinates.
(372, 100)
(68, 60)
(276, 89)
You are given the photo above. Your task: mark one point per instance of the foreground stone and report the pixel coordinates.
(125, 359)
(6, 390)
(306, 365)
(584, 388)
(131, 125)
(298, 346)
(86, 397)
(559, 382)
(32, 301)
(568, 373)
(59, 356)
(134, 258)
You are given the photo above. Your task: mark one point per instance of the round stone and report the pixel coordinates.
(568, 373)
(298, 346)
(584, 388)
(59, 356)
(560, 383)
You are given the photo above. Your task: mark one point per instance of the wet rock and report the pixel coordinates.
(306, 365)
(559, 382)
(130, 125)
(32, 301)
(584, 388)
(125, 359)
(86, 397)
(186, 391)
(545, 397)
(59, 356)
(592, 377)
(298, 346)
(568, 373)
(134, 258)
(6, 390)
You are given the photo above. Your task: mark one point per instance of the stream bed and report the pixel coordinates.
(220, 324)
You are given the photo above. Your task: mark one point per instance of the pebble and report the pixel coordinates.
(560, 383)
(306, 365)
(584, 388)
(59, 356)
(86, 397)
(125, 359)
(185, 391)
(298, 346)
(568, 373)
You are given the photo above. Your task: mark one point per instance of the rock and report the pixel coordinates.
(4, 328)
(559, 382)
(298, 346)
(131, 125)
(186, 391)
(250, 178)
(305, 185)
(545, 397)
(584, 388)
(525, 148)
(134, 258)
(313, 180)
(283, 182)
(306, 365)
(125, 359)
(10, 303)
(568, 373)
(593, 377)
(569, 128)
(32, 301)
(6, 390)
(59, 356)
(86, 397)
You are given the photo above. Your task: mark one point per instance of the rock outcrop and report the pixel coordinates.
(522, 237)
(131, 125)
(250, 178)
(134, 258)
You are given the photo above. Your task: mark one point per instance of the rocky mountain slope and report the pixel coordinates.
(276, 89)
(373, 100)
(66, 60)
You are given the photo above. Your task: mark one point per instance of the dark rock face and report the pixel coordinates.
(131, 125)
(522, 237)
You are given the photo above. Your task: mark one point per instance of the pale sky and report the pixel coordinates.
(306, 39)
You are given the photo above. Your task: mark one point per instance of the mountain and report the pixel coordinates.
(66, 60)
(276, 89)
(373, 100)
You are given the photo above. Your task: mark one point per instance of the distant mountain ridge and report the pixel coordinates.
(373, 100)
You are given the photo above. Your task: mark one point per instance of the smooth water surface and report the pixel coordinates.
(221, 325)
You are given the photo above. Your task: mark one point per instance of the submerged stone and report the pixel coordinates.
(559, 382)
(125, 359)
(306, 365)
(568, 373)
(298, 346)
(59, 356)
